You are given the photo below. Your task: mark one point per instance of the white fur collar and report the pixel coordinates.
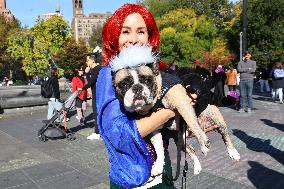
(133, 56)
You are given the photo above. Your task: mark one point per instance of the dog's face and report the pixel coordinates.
(137, 88)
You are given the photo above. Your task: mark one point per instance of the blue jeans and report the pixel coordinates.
(246, 87)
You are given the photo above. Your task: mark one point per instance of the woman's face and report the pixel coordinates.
(134, 31)
(80, 72)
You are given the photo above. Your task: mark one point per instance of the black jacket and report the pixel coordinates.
(55, 87)
(92, 79)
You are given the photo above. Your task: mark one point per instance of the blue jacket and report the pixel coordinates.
(130, 162)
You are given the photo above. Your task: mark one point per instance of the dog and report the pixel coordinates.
(209, 117)
(140, 86)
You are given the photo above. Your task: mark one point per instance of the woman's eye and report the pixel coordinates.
(125, 32)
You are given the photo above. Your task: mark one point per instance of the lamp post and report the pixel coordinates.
(97, 53)
(245, 25)
(241, 46)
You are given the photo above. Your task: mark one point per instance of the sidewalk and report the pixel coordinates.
(81, 164)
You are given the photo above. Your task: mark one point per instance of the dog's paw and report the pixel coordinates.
(157, 169)
(204, 149)
(196, 166)
(234, 154)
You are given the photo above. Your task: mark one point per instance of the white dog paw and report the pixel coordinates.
(196, 166)
(234, 154)
(157, 169)
(204, 149)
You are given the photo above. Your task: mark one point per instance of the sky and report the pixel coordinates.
(27, 10)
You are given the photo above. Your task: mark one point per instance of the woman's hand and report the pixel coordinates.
(152, 122)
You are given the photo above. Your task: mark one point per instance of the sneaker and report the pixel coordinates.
(249, 110)
(241, 110)
(94, 136)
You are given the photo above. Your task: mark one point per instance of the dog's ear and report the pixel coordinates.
(155, 68)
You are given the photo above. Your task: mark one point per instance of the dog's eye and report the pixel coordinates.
(126, 83)
(146, 79)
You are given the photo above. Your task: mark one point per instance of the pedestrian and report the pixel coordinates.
(54, 103)
(78, 81)
(130, 160)
(92, 71)
(219, 77)
(231, 80)
(263, 80)
(246, 68)
(277, 75)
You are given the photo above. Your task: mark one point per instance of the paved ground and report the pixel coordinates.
(27, 163)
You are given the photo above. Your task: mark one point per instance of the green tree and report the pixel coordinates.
(184, 36)
(32, 53)
(6, 26)
(71, 57)
(266, 30)
(96, 38)
(36, 47)
(53, 33)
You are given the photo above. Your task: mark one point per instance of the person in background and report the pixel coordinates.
(263, 80)
(54, 103)
(231, 80)
(246, 69)
(92, 71)
(277, 75)
(78, 81)
(219, 77)
(130, 153)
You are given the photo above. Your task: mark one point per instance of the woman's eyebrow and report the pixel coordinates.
(139, 28)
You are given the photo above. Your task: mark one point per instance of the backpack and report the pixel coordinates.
(278, 73)
(46, 89)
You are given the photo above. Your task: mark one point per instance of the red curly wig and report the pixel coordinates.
(113, 26)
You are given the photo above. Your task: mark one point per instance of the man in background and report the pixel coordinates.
(246, 68)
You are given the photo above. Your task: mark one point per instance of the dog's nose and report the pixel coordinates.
(137, 89)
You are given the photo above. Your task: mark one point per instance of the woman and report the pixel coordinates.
(78, 81)
(277, 75)
(130, 159)
(219, 77)
(231, 80)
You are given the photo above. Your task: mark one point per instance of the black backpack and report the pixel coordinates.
(46, 89)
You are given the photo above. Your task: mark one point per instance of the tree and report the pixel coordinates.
(184, 36)
(266, 30)
(36, 47)
(53, 33)
(71, 57)
(6, 26)
(96, 37)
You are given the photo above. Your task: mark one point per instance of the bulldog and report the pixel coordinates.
(140, 86)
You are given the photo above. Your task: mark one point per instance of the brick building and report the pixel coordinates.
(83, 26)
(4, 11)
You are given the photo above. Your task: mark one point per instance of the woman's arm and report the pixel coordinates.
(151, 123)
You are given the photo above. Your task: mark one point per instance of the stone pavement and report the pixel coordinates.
(27, 163)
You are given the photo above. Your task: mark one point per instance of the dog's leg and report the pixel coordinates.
(196, 163)
(157, 142)
(217, 119)
(177, 99)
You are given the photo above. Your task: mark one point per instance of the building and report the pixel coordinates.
(4, 11)
(47, 16)
(83, 26)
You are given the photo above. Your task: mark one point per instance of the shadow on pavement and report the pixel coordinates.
(263, 177)
(260, 145)
(272, 124)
